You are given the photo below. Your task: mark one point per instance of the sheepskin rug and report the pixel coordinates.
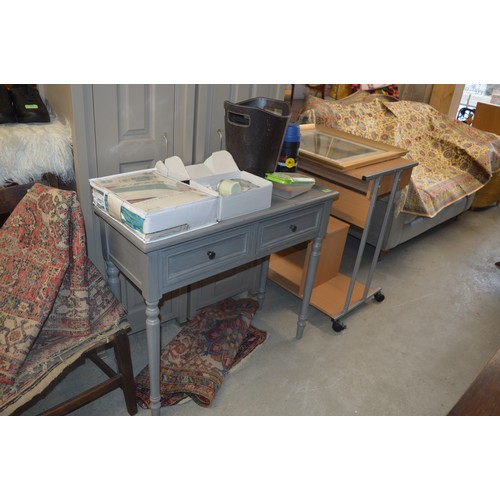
(27, 151)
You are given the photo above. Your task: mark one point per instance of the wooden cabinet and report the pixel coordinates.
(487, 117)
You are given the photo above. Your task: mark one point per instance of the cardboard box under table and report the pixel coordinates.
(220, 166)
(153, 206)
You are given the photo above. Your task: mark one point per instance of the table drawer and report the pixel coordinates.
(198, 259)
(285, 231)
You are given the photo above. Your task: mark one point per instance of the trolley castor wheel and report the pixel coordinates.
(379, 297)
(338, 326)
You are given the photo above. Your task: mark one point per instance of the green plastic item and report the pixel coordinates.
(285, 178)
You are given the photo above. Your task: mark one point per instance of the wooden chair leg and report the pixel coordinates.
(124, 361)
(122, 378)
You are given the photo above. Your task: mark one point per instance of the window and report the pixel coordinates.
(474, 93)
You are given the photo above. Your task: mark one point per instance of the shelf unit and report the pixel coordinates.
(334, 293)
(289, 270)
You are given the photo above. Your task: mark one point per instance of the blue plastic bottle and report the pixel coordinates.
(289, 156)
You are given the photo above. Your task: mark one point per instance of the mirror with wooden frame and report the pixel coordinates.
(343, 150)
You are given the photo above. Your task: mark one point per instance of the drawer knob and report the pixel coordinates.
(293, 228)
(211, 254)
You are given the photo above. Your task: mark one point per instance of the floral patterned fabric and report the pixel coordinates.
(196, 361)
(54, 303)
(453, 157)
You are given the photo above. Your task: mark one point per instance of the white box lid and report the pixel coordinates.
(220, 162)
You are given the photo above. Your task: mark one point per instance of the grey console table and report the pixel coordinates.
(159, 267)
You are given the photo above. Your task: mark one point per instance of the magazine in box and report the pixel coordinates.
(153, 205)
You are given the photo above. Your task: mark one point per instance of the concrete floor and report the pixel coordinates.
(413, 354)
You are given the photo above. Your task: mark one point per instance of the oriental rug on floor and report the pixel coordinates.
(196, 361)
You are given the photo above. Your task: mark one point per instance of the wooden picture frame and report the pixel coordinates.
(342, 150)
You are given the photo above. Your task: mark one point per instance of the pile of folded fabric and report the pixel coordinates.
(196, 361)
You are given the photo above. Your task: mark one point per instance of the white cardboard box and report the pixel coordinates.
(220, 166)
(152, 205)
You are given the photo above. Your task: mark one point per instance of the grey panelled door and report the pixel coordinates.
(131, 122)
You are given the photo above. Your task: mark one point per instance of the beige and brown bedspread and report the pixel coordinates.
(454, 159)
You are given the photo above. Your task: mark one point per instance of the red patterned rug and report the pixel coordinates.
(54, 303)
(196, 361)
